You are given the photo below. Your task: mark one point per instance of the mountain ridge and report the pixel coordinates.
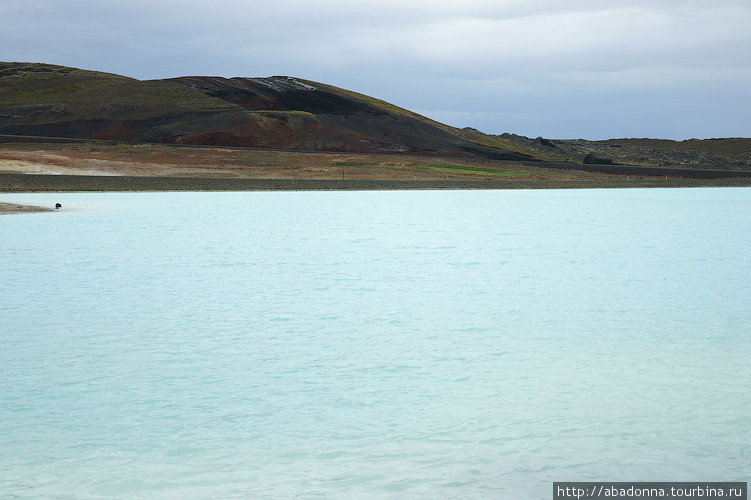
(273, 112)
(285, 112)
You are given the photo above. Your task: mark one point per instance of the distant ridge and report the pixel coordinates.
(720, 154)
(283, 112)
(275, 112)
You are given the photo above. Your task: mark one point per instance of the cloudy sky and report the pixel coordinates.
(592, 69)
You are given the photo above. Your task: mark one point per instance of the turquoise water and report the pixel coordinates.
(373, 345)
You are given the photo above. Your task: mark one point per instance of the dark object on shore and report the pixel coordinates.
(57, 205)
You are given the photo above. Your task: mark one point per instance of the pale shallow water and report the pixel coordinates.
(358, 345)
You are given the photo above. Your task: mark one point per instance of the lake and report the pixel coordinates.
(373, 345)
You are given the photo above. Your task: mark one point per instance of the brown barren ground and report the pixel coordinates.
(158, 160)
(28, 167)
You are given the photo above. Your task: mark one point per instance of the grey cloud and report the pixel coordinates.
(542, 67)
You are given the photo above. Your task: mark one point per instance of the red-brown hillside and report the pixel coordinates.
(276, 112)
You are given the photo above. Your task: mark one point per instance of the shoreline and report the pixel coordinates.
(33, 183)
(15, 208)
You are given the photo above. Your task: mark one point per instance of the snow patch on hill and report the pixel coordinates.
(282, 83)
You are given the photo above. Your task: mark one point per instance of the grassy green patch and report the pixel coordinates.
(352, 164)
(64, 89)
(439, 167)
(462, 169)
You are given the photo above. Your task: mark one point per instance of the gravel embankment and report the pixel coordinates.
(18, 183)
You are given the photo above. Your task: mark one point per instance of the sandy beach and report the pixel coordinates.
(10, 208)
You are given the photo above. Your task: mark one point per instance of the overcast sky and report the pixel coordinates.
(592, 69)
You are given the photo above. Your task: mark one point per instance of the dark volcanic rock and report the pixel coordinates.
(662, 153)
(591, 159)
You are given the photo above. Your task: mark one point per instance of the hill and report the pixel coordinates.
(282, 112)
(276, 112)
(723, 154)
